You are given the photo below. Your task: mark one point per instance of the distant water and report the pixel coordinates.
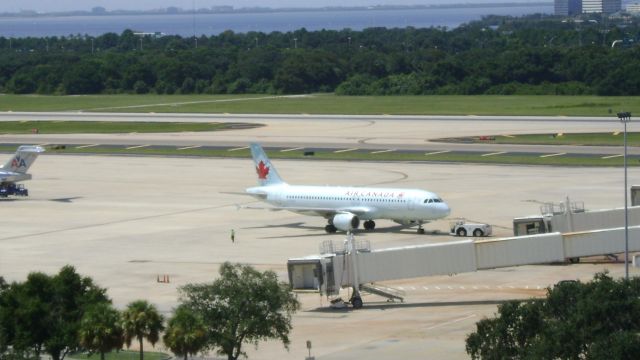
(213, 24)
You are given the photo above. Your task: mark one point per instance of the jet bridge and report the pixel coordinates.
(357, 266)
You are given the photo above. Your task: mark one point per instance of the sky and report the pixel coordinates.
(69, 5)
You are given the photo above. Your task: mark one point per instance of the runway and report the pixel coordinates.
(410, 133)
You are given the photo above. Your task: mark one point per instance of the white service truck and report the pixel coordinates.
(463, 228)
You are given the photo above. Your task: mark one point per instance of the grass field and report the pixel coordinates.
(329, 104)
(104, 127)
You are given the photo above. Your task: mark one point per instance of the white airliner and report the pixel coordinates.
(16, 170)
(344, 207)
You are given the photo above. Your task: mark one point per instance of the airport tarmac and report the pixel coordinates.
(126, 220)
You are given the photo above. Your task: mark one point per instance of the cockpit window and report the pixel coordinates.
(430, 201)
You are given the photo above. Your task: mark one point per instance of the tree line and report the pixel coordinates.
(67, 313)
(498, 55)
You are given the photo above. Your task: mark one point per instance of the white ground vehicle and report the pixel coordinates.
(463, 228)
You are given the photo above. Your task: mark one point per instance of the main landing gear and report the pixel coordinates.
(369, 225)
(420, 228)
(330, 229)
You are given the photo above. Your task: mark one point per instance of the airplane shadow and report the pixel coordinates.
(395, 305)
(66, 200)
(62, 200)
(319, 231)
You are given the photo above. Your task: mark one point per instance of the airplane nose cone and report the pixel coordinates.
(445, 210)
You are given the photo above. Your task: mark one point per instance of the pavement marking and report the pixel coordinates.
(451, 321)
(475, 288)
(612, 156)
(509, 136)
(425, 287)
(382, 151)
(616, 133)
(495, 153)
(45, 144)
(511, 287)
(552, 155)
(189, 147)
(240, 148)
(345, 150)
(437, 152)
(462, 287)
(86, 146)
(449, 287)
(136, 147)
(400, 288)
(412, 288)
(438, 287)
(292, 149)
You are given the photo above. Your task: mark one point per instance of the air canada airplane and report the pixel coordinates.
(16, 170)
(344, 207)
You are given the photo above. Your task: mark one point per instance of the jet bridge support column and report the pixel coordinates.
(356, 299)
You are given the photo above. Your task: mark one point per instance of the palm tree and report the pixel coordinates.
(186, 333)
(141, 320)
(100, 329)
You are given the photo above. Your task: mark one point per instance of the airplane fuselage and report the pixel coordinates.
(371, 203)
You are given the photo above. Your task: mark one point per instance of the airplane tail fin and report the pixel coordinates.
(24, 157)
(267, 174)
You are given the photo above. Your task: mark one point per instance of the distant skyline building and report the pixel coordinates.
(601, 6)
(567, 7)
(633, 8)
(611, 6)
(591, 6)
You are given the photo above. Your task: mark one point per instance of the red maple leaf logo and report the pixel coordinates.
(262, 171)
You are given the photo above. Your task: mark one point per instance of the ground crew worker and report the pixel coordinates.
(233, 236)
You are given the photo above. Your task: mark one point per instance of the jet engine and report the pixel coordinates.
(346, 221)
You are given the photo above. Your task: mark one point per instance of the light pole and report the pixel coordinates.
(625, 117)
(295, 42)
